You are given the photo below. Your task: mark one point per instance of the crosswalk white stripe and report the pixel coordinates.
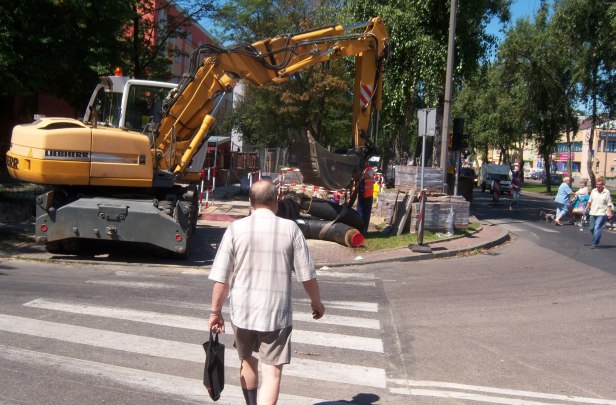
(350, 282)
(339, 320)
(304, 368)
(206, 272)
(193, 323)
(328, 319)
(130, 284)
(144, 284)
(501, 391)
(541, 228)
(123, 273)
(467, 396)
(162, 384)
(351, 305)
(334, 274)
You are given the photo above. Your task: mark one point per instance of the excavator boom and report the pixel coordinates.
(188, 113)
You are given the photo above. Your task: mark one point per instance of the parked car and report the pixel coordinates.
(537, 174)
(555, 179)
(469, 173)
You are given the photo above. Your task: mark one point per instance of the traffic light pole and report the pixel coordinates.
(448, 85)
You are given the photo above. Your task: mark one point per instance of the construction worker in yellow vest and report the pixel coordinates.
(365, 196)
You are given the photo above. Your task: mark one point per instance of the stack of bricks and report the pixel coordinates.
(437, 211)
(409, 177)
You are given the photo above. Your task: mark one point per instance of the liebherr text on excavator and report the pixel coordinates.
(128, 171)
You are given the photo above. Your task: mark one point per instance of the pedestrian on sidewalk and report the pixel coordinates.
(365, 197)
(580, 202)
(495, 190)
(253, 266)
(516, 190)
(600, 203)
(563, 199)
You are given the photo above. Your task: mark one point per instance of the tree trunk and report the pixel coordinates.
(7, 121)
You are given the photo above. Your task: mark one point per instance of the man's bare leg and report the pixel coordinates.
(249, 377)
(270, 386)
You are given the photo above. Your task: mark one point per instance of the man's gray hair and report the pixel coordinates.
(262, 192)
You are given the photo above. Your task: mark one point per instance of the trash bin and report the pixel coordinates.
(465, 188)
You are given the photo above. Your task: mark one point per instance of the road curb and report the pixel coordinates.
(498, 240)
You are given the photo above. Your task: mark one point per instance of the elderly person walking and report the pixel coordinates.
(600, 203)
(254, 265)
(563, 199)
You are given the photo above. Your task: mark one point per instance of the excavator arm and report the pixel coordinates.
(188, 112)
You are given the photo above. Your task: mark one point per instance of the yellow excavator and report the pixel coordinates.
(127, 172)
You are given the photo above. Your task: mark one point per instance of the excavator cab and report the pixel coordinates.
(120, 102)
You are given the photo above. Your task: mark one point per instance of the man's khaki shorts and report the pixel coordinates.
(274, 348)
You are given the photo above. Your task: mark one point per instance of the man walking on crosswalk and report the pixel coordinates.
(254, 263)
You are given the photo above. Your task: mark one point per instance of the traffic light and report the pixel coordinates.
(458, 133)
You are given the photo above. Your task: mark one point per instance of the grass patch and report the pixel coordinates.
(539, 188)
(473, 226)
(377, 240)
(543, 189)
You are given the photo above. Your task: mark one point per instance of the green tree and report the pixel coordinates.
(415, 74)
(316, 100)
(58, 47)
(62, 47)
(492, 103)
(536, 53)
(588, 28)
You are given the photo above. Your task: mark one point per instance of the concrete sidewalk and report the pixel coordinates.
(216, 217)
(331, 254)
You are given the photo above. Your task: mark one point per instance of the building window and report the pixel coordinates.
(563, 148)
(611, 146)
(597, 167)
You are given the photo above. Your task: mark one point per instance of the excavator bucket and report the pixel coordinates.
(321, 167)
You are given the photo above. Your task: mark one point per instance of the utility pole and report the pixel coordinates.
(448, 86)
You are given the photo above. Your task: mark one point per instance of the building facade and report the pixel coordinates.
(602, 152)
(179, 47)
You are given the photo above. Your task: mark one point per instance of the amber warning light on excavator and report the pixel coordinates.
(118, 71)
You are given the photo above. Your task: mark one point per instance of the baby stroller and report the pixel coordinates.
(578, 210)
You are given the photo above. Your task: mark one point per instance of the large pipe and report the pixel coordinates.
(330, 211)
(338, 232)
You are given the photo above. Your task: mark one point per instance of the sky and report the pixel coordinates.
(519, 9)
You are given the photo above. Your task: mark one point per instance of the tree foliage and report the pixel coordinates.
(415, 75)
(62, 47)
(587, 28)
(57, 46)
(493, 105)
(554, 62)
(316, 100)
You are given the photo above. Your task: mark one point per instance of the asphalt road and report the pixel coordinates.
(90, 334)
(530, 322)
(526, 223)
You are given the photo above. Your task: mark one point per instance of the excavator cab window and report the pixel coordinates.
(143, 106)
(108, 107)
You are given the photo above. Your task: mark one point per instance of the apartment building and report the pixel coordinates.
(603, 152)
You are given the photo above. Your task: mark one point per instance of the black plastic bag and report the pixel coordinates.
(214, 372)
